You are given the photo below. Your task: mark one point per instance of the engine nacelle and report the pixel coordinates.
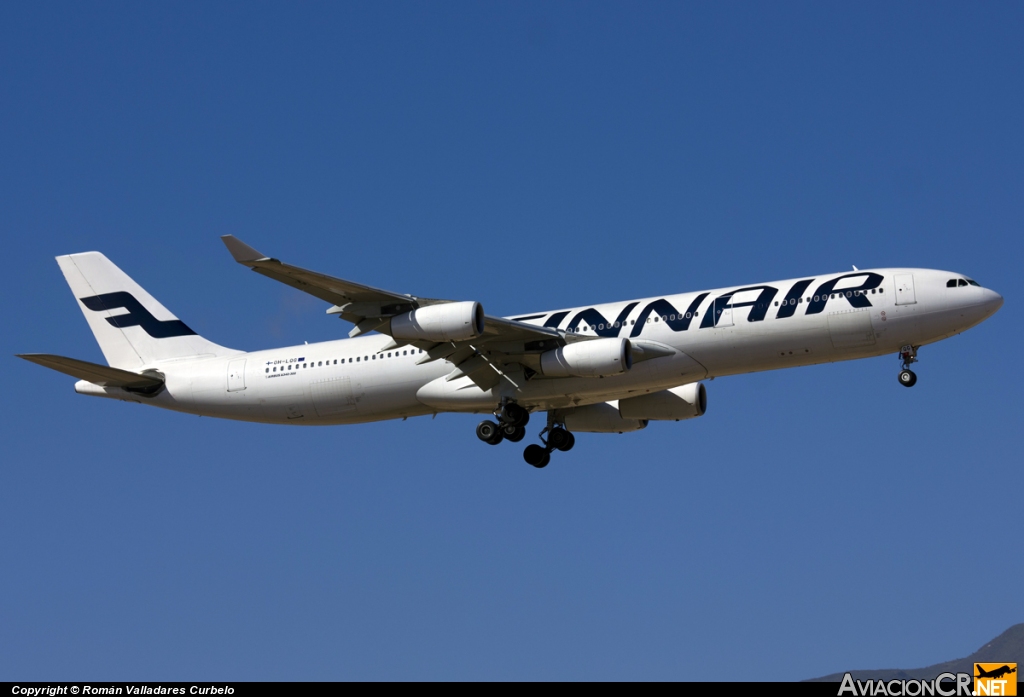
(588, 359)
(679, 403)
(601, 418)
(445, 322)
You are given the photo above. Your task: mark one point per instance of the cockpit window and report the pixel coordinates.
(974, 283)
(962, 283)
(951, 283)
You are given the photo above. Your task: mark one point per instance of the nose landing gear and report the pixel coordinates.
(908, 355)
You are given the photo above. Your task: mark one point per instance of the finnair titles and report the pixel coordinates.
(608, 368)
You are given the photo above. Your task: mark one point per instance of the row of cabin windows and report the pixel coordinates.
(830, 296)
(689, 315)
(357, 359)
(616, 325)
(961, 283)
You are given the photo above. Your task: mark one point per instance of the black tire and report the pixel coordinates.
(560, 439)
(488, 432)
(513, 434)
(536, 455)
(908, 378)
(516, 415)
(569, 443)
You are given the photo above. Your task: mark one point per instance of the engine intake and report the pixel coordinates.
(588, 359)
(679, 403)
(445, 322)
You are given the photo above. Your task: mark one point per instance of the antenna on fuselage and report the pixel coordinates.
(855, 268)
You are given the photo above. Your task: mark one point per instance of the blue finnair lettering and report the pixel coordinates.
(676, 320)
(596, 321)
(555, 319)
(871, 280)
(792, 298)
(758, 307)
(680, 321)
(137, 315)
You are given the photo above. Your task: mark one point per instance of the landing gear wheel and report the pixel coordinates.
(537, 456)
(515, 415)
(489, 432)
(908, 378)
(560, 439)
(513, 433)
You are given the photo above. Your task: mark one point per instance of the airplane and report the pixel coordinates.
(996, 673)
(608, 368)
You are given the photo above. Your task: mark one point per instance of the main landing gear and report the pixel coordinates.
(511, 425)
(908, 355)
(558, 439)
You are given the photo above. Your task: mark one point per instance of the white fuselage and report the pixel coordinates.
(725, 331)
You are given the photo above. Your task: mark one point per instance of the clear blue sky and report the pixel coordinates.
(530, 156)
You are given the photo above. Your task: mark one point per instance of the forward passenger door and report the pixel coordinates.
(905, 294)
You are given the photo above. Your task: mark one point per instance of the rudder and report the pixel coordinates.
(132, 328)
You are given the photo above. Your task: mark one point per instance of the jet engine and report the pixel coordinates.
(445, 322)
(601, 418)
(588, 359)
(679, 403)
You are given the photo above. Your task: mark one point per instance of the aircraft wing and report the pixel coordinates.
(503, 341)
(336, 291)
(101, 375)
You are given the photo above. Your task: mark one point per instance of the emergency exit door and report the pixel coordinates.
(236, 375)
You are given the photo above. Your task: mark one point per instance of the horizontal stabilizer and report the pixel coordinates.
(101, 375)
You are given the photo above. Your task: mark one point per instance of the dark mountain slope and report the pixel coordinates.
(1008, 647)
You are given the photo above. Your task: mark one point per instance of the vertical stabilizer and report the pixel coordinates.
(131, 327)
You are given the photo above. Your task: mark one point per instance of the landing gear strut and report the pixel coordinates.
(513, 414)
(908, 355)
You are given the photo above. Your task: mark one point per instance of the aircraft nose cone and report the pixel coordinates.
(992, 301)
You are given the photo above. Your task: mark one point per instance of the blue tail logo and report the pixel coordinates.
(137, 316)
